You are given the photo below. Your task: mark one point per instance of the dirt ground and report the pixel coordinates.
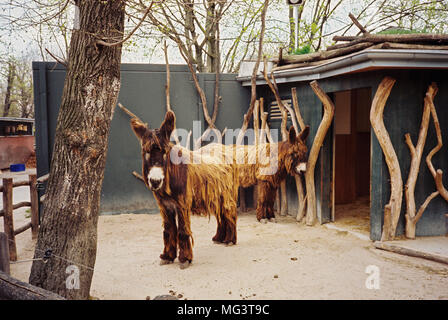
(283, 260)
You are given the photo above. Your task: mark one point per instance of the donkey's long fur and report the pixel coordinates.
(264, 164)
(193, 183)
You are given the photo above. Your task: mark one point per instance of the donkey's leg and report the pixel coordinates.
(263, 194)
(269, 203)
(169, 236)
(230, 217)
(220, 230)
(184, 235)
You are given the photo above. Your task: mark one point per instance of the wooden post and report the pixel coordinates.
(4, 253)
(8, 217)
(311, 209)
(393, 208)
(34, 206)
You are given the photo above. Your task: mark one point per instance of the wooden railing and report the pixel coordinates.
(9, 207)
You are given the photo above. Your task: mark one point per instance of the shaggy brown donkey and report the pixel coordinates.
(266, 165)
(185, 182)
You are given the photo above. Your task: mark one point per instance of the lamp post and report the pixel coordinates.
(295, 4)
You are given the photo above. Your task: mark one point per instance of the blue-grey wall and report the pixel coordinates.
(143, 92)
(402, 114)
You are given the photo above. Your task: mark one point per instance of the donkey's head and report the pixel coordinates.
(295, 151)
(155, 145)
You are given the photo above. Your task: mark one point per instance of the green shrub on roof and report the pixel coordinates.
(400, 31)
(302, 50)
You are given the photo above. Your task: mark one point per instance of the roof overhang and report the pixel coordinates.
(363, 61)
(15, 119)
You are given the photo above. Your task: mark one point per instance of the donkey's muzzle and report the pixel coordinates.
(155, 183)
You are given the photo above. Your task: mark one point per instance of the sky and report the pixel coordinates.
(23, 42)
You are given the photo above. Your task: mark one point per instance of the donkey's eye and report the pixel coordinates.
(147, 156)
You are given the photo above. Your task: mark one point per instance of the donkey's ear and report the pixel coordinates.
(292, 135)
(304, 134)
(139, 128)
(168, 125)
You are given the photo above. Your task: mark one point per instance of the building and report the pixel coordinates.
(16, 140)
(351, 168)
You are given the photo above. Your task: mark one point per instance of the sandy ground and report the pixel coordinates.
(283, 260)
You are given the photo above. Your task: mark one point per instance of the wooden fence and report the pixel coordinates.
(9, 207)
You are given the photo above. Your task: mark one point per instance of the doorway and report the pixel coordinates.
(351, 159)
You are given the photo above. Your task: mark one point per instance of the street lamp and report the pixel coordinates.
(295, 4)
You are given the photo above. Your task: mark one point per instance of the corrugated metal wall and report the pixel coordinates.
(143, 92)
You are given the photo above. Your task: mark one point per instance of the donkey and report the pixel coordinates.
(183, 183)
(265, 165)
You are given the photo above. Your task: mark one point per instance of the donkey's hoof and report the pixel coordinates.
(273, 220)
(229, 244)
(263, 221)
(164, 262)
(185, 265)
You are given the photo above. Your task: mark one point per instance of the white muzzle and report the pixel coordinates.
(155, 178)
(301, 168)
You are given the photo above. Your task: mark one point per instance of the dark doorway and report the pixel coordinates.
(352, 157)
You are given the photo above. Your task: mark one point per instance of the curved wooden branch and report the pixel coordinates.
(253, 80)
(168, 82)
(257, 123)
(439, 185)
(295, 103)
(283, 129)
(265, 130)
(129, 113)
(302, 198)
(327, 118)
(416, 156)
(438, 175)
(206, 133)
(424, 205)
(359, 25)
(59, 60)
(198, 87)
(393, 208)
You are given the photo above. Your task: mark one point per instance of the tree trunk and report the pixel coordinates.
(9, 81)
(72, 199)
(211, 25)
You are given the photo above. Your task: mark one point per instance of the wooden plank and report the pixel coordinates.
(43, 178)
(17, 206)
(22, 228)
(13, 289)
(410, 252)
(16, 184)
(34, 205)
(8, 222)
(4, 253)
